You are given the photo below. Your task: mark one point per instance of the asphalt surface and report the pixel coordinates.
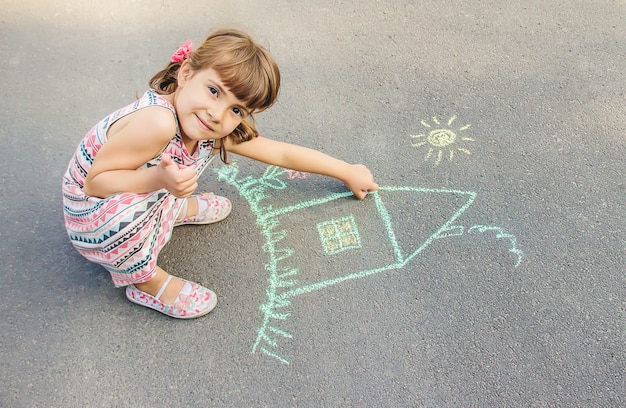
(489, 270)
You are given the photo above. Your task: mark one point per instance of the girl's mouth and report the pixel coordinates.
(204, 124)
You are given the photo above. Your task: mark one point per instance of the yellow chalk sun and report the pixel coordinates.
(441, 139)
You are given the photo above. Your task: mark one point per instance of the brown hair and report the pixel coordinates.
(246, 68)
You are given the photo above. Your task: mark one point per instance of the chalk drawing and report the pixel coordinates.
(296, 174)
(440, 140)
(501, 234)
(340, 237)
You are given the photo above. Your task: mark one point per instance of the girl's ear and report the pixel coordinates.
(184, 73)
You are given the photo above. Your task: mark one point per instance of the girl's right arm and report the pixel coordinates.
(142, 137)
(357, 177)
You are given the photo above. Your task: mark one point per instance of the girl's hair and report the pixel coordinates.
(246, 68)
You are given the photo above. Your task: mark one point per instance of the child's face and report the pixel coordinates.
(206, 109)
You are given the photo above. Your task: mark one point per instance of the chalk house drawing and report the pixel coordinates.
(339, 236)
(440, 140)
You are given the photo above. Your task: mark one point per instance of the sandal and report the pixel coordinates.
(192, 301)
(211, 208)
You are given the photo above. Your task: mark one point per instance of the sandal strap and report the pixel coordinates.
(182, 212)
(160, 292)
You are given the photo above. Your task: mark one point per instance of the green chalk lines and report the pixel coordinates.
(336, 236)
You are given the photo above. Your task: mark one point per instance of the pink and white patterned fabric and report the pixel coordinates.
(125, 232)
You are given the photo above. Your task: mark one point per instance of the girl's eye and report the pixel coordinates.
(214, 91)
(238, 111)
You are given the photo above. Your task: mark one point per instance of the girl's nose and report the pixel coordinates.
(216, 112)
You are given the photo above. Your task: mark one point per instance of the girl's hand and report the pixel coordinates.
(179, 180)
(360, 181)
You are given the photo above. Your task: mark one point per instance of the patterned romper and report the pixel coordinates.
(125, 232)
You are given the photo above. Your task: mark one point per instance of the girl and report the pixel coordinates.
(134, 175)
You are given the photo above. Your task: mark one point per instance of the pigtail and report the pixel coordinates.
(245, 131)
(164, 82)
(242, 133)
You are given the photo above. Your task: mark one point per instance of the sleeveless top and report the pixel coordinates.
(125, 232)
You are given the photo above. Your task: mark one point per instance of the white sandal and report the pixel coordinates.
(211, 208)
(192, 301)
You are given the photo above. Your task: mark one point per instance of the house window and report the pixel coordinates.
(339, 235)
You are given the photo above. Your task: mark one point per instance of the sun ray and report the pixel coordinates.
(440, 139)
(439, 156)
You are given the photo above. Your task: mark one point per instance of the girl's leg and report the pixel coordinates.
(155, 284)
(172, 296)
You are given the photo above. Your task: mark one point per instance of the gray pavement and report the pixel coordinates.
(489, 270)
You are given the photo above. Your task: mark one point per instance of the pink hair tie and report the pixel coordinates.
(182, 52)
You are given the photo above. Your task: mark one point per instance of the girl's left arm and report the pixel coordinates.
(357, 177)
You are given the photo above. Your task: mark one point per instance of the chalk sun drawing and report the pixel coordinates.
(440, 140)
(348, 232)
